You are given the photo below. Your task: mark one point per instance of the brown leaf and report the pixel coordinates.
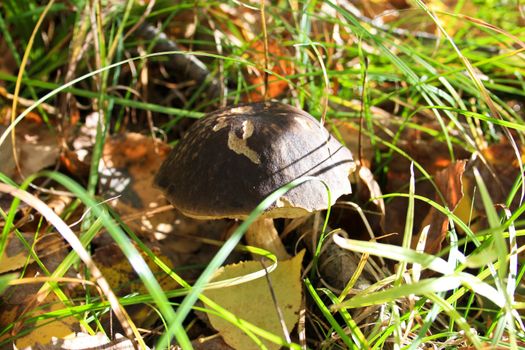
(17, 299)
(350, 135)
(499, 170)
(499, 173)
(449, 183)
(278, 65)
(7, 63)
(123, 279)
(127, 169)
(120, 274)
(36, 146)
(76, 157)
(44, 330)
(16, 255)
(433, 156)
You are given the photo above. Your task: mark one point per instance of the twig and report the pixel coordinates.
(24, 102)
(187, 65)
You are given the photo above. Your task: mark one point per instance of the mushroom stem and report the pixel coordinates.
(262, 234)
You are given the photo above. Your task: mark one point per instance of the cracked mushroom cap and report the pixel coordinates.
(233, 158)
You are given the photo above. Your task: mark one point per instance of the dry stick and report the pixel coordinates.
(141, 20)
(74, 242)
(24, 102)
(184, 65)
(265, 43)
(31, 280)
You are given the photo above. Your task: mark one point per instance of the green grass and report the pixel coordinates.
(459, 91)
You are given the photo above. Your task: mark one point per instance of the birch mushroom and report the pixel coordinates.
(233, 158)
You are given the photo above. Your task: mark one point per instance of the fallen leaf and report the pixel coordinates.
(449, 183)
(350, 136)
(7, 162)
(127, 169)
(123, 279)
(432, 156)
(252, 301)
(18, 301)
(499, 173)
(121, 276)
(36, 146)
(17, 256)
(277, 63)
(400, 15)
(44, 330)
(499, 170)
(76, 156)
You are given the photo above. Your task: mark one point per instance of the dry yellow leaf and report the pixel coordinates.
(121, 276)
(44, 330)
(252, 301)
(16, 255)
(123, 279)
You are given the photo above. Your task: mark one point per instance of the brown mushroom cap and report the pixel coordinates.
(233, 158)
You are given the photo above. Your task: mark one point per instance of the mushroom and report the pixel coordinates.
(233, 158)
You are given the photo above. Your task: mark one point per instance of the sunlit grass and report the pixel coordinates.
(460, 82)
